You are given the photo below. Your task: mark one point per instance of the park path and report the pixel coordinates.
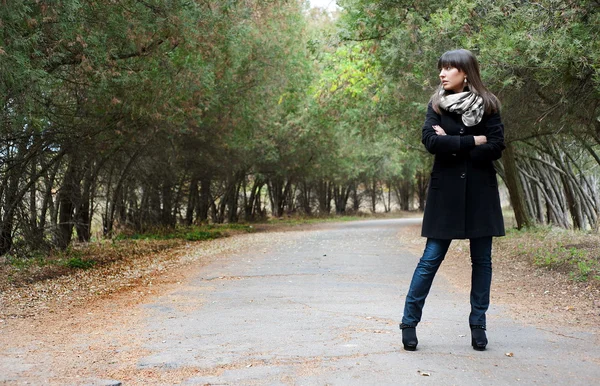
(312, 307)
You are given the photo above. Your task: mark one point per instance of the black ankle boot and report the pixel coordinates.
(478, 338)
(409, 337)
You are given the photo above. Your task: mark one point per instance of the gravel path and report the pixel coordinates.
(311, 307)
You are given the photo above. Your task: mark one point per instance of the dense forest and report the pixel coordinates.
(137, 114)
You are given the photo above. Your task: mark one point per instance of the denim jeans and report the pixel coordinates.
(481, 279)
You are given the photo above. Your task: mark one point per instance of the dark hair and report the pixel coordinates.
(465, 61)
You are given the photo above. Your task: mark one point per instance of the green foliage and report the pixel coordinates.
(69, 259)
(193, 233)
(573, 253)
(198, 235)
(24, 263)
(79, 263)
(583, 271)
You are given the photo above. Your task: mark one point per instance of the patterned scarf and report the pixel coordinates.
(468, 104)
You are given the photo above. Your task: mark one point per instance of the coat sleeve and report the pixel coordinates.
(437, 144)
(492, 150)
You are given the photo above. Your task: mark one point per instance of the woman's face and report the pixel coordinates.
(452, 79)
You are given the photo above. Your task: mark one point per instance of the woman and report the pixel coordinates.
(464, 130)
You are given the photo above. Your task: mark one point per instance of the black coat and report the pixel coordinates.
(463, 200)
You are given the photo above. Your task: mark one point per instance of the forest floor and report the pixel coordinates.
(67, 303)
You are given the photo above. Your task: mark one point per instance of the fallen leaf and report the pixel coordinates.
(424, 373)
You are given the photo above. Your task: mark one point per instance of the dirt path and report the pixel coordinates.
(317, 306)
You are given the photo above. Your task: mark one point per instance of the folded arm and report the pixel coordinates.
(492, 149)
(438, 143)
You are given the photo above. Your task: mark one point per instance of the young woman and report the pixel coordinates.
(464, 131)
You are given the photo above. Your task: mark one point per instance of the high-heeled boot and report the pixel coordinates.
(409, 337)
(478, 337)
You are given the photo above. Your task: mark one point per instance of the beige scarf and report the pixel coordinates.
(467, 103)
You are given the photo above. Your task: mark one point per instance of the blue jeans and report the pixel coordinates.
(481, 279)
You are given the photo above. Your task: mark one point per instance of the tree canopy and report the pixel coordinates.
(133, 115)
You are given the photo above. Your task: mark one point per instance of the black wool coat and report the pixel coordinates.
(462, 199)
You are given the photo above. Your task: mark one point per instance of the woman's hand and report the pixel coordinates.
(480, 140)
(439, 130)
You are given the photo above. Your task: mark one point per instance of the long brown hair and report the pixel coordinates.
(465, 61)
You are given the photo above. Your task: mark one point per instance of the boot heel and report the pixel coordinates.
(409, 337)
(478, 338)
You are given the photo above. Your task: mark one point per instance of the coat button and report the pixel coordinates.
(463, 175)
(462, 131)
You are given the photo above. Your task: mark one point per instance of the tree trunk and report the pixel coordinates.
(10, 197)
(341, 194)
(515, 190)
(84, 211)
(47, 201)
(257, 210)
(305, 197)
(278, 192)
(323, 190)
(204, 203)
(112, 202)
(166, 216)
(373, 195)
(355, 198)
(233, 197)
(252, 207)
(68, 199)
(192, 201)
(83, 214)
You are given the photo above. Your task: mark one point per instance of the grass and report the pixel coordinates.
(79, 263)
(302, 220)
(193, 233)
(20, 263)
(575, 253)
